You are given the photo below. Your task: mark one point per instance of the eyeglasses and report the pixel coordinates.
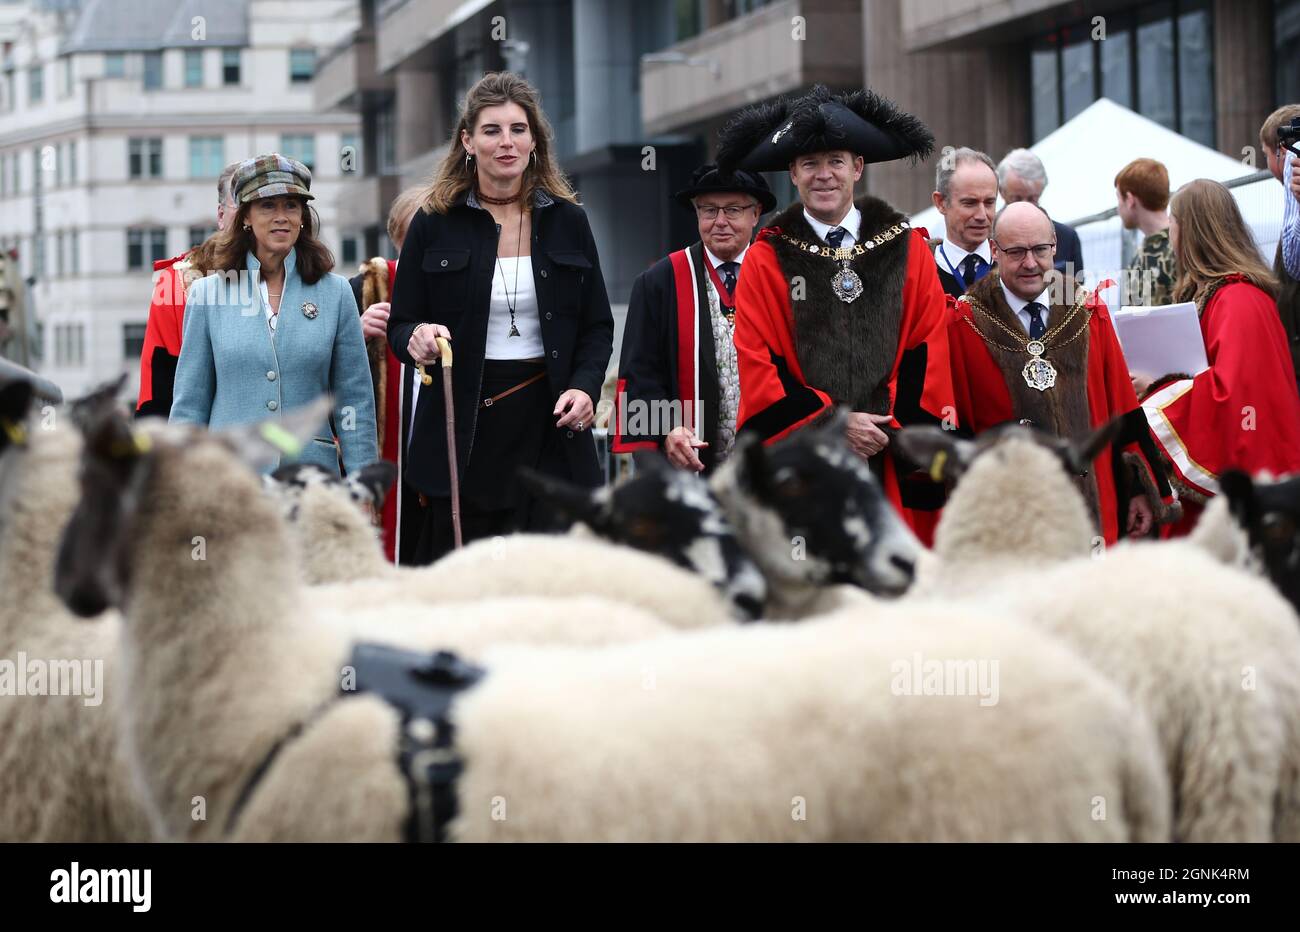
(1017, 253)
(733, 213)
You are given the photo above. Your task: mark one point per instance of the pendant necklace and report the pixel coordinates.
(511, 299)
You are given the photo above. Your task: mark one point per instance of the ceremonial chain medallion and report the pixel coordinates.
(1038, 373)
(846, 283)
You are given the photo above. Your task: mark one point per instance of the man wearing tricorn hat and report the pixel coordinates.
(678, 387)
(840, 302)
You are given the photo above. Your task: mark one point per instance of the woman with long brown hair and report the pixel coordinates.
(1243, 411)
(501, 261)
(272, 328)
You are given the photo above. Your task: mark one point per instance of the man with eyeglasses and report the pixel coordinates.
(678, 387)
(840, 303)
(1027, 345)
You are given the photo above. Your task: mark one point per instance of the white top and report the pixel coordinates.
(266, 302)
(1017, 305)
(850, 221)
(715, 261)
(952, 256)
(509, 274)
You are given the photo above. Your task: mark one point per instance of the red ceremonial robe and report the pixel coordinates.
(985, 398)
(162, 336)
(884, 353)
(668, 372)
(1243, 411)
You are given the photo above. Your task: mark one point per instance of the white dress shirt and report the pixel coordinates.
(1017, 305)
(850, 222)
(715, 261)
(951, 256)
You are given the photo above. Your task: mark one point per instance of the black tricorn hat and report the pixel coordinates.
(769, 136)
(708, 179)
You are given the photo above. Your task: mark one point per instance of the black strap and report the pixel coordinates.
(422, 688)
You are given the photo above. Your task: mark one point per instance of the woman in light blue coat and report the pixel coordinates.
(276, 329)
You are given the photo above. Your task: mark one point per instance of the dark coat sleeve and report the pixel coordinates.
(1068, 247)
(596, 331)
(408, 304)
(645, 370)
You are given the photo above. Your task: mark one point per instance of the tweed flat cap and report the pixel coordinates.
(271, 175)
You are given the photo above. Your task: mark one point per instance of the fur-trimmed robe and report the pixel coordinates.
(800, 349)
(1092, 386)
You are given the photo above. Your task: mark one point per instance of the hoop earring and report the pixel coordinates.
(247, 228)
(534, 155)
(468, 156)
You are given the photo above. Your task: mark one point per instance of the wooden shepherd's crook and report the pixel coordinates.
(425, 379)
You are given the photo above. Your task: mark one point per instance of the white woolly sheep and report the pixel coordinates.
(789, 732)
(1208, 652)
(63, 775)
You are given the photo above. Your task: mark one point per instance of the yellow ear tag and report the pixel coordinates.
(141, 442)
(937, 464)
(281, 439)
(16, 433)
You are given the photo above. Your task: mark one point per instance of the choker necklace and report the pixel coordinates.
(498, 201)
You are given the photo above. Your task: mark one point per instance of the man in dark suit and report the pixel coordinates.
(966, 193)
(1021, 177)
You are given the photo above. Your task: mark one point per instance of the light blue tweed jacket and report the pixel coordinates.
(234, 370)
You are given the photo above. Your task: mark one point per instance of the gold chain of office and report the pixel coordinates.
(1039, 373)
(850, 252)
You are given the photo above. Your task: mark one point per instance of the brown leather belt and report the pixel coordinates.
(489, 402)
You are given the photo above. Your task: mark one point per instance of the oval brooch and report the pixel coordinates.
(309, 310)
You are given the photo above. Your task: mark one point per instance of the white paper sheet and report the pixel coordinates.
(1162, 339)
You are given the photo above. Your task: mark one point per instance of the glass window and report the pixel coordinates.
(144, 158)
(349, 251)
(1155, 40)
(68, 83)
(386, 137)
(157, 245)
(194, 67)
(58, 254)
(115, 65)
(1195, 73)
(1078, 76)
(132, 341)
(1286, 50)
(302, 65)
(74, 253)
(153, 71)
(58, 165)
(69, 343)
(135, 249)
(300, 146)
(35, 84)
(1116, 68)
(350, 154)
(72, 162)
(688, 14)
(207, 156)
(1046, 99)
(200, 234)
(230, 66)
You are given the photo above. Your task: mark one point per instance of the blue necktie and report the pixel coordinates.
(1036, 326)
(728, 270)
(836, 236)
(973, 269)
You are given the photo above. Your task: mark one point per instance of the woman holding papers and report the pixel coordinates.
(1243, 411)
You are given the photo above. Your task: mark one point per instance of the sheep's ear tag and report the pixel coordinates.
(281, 439)
(16, 432)
(936, 465)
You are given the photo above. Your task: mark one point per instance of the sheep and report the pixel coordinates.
(338, 550)
(336, 541)
(1209, 652)
(802, 732)
(1268, 525)
(823, 497)
(63, 775)
(218, 562)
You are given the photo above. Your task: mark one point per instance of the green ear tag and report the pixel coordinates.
(281, 439)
